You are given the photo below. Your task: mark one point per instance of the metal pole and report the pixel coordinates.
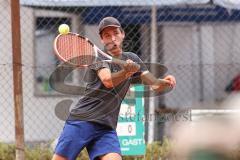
(152, 101)
(201, 98)
(17, 79)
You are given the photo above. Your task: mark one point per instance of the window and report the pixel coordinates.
(46, 29)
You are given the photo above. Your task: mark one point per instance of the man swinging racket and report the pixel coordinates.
(92, 121)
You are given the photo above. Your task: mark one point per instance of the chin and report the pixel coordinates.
(116, 52)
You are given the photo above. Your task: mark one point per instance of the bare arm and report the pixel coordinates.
(158, 85)
(111, 80)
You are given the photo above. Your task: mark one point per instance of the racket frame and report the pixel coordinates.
(95, 48)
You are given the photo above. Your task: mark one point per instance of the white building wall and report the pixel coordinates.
(226, 53)
(40, 122)
(181, 57)
(208, 61)
(214, 45)
(6, 83)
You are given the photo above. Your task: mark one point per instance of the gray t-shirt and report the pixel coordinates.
(100, 104)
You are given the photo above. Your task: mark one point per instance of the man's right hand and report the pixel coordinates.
(111, 80)
(131, 67)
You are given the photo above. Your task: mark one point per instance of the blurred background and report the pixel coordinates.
(196, 40)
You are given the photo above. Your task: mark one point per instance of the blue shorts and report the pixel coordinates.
(98, 140)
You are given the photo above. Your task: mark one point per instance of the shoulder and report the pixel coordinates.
(131, 55)
(134, 57)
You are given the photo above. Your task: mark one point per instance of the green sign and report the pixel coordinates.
(130, 127)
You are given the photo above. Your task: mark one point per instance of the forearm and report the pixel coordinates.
(111, 80)
(156, 84)
(149, 79)
(119, 77)
(161, 85)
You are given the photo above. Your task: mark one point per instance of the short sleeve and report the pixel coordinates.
(136, 77)
(99, 65)
(136, 59)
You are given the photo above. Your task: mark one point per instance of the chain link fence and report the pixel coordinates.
(198, 43)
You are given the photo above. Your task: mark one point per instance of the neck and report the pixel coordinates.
(116, 54)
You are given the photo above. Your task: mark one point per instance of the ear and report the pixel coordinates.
(123, 34)
(102, 41)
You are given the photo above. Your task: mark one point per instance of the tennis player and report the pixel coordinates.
(92, 121)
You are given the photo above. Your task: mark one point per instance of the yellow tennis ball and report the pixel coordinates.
(63, 29)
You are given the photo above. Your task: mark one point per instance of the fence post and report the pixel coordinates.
(152, 102)
(17, 79)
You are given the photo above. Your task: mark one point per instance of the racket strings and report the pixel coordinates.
(75, 50)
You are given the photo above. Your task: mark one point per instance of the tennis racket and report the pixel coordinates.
(79, 51)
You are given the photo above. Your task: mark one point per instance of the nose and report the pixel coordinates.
(113, 38)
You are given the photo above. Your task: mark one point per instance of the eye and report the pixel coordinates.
(116, 32)
(107, 36)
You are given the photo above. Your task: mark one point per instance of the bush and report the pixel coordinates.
(7, 152)
(38, 152)
(154, 151)
(158, 150)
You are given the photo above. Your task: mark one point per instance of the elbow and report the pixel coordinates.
(108, 83)
(155, 88)
(162, 89)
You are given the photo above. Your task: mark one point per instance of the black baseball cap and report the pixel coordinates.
(108, 22)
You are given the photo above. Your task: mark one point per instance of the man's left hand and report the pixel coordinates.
(165, 87)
